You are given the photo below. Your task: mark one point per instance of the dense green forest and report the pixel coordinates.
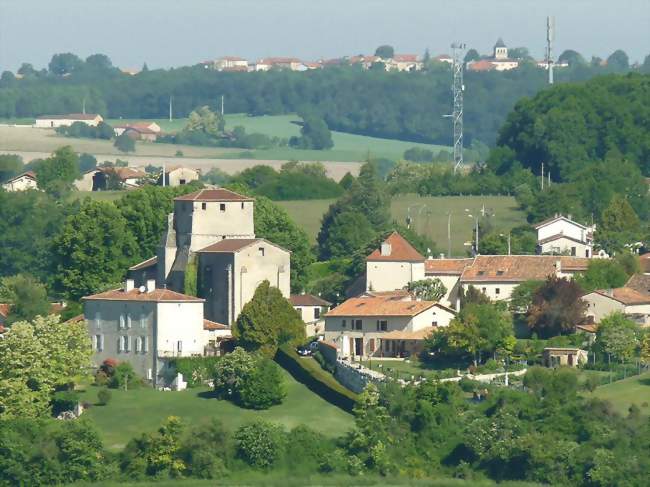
(407, 106)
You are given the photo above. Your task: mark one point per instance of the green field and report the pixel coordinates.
(143, 410)
(347, 147)
(623, 393)
(429, 216)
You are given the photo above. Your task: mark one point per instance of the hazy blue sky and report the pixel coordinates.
(177, 32)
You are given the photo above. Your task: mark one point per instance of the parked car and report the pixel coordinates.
(304, 351)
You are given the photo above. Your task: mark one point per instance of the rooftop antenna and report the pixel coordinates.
(457, 115)
(550, 37)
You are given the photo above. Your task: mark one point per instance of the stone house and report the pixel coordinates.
(97, 179)
(556, 357)
(393, 265)
(54, 121)
(148, 131)
(383, 324)
(630, 302)
(22, 182)
(146, 327)
(311, 309)
(178, 176)
(561, 235)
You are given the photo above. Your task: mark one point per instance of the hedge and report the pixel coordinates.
(196, 370)
(308, 372)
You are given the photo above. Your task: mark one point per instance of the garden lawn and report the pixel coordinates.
(429, 214)
(623, 393)
(142, 410)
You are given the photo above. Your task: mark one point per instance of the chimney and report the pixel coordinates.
(129, 285)
(385, 249)
(151, 285)
(442, 256)
(569, 216)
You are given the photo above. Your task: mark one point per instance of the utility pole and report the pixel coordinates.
(542, 176)
(164, 174)
(550, 37)
(477, 235)
(222, 112)
(457, 90)
(170, 108)
(83, 105)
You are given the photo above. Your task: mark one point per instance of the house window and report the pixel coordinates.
(222, 207)
(242, 205)
(98, 321)
(299, 310)
(357, 324)
(204, 206)
(484, 290)
(343, 323)
(497, 291)
(181, 181)
(179, 346)
(124, 344)
(128, 321)
(122, 321)
(382, 325)
(138, 344)
(145, 344)
(316, 313)
(573, 251)
(500, 273)
(261, 251)
(143, 320)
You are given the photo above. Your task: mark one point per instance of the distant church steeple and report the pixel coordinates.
(500, 50)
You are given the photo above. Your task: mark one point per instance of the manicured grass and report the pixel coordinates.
(143, 410)
(429, 216)
(622, 394)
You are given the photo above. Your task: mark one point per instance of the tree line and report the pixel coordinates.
(406, 106)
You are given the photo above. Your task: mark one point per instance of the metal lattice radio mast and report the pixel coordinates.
(550, 37)
(457, 115)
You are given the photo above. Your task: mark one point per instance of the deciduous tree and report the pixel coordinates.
(557, 307)
(27, 296)
(427, 289)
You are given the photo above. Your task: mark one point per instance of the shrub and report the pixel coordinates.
(123, 377)
(468, 385)
(64, 401)
(101, 379)
(262, 387)
(260, 443)
(196, 370)
(104, 396)
(230, 370)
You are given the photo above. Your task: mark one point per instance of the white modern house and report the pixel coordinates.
(383, 324)
(54, 121)
(147, 326)
(562, 235)
(632, 303)
(22, 182)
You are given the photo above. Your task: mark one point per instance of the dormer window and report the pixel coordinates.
(500, 273)
(481, 273)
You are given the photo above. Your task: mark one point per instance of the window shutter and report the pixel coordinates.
(128, 344)
(146, 344)
(101, 343)
(128, 321)
(137, 344)
(120, 344)
(143, 320)
(377, 325)
(122, 321)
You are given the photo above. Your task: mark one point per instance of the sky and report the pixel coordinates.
(166, 33)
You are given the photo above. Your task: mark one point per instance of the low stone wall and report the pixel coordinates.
(328, 351)
(355, 376)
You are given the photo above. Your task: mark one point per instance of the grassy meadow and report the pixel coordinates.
(429, 214)
(142, 410)
(623, 393)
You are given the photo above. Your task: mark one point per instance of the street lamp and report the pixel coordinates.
(476, 234)
(502, 235)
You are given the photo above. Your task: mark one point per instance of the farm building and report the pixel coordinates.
(54, 121)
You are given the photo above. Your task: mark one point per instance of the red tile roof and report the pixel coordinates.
(625, 295)
(454, 267)
(145, 264)
(230, 245)
(482, 65)
(400, 251)
(124, 173)
(307, 300)
(213, 325)
(28, 174)
(220, 194)
(519, 268)
(4, 310)
(157, 295)
(405, 58)
(380, 306)
(640, 282)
